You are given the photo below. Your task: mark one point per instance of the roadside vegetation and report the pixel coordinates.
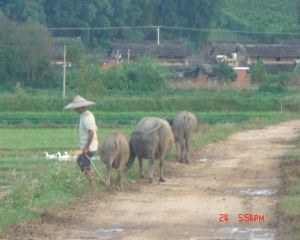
(289, 205)
(208, 100)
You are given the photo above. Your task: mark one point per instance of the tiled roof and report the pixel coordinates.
(166, 49)
(283, 51)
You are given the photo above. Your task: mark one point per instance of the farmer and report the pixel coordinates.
(88, 134)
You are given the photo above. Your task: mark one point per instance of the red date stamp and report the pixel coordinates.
(223, 217)
(243, 217)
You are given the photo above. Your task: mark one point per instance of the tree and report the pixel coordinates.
(224, 73)
(86, 79)
(107, 13)
(25, 53)
(22, 11)
(188, 13)
(298, 12)
(146, 75)
(259, 73)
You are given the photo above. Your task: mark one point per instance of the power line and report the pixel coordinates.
(162, 27)
(175, 28)
(98, 28)
(21, 46)
(226, 30)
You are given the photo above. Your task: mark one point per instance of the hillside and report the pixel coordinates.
(257, 16)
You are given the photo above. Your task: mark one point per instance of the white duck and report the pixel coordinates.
(50, 156)
(64, 157)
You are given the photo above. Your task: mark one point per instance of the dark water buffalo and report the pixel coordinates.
(184, 125)
(152, 138)
(114, 152)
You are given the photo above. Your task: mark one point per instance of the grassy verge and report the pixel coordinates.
(35, 184)
(115, 119)
(192, 100)
(289, 205)
(31, 184)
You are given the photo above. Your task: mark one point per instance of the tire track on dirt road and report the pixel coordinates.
(237, 176)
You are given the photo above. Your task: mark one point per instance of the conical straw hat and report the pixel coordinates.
(79, 102)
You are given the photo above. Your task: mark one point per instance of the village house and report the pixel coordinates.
(212, 53)
(170, 53)
(60, 47)
(197, 68)
(58, 53)
(279, 57)
(284, 53)
(276, 57)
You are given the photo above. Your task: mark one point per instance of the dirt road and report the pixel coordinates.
(207, 199)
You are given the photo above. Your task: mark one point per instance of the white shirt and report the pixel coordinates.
(87, 122)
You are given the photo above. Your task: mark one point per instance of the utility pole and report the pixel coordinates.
(64, 73)
(157, 29)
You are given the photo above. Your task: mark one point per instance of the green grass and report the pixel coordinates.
(205, 100)
(289, 204)
(38, 184)
(115, 119)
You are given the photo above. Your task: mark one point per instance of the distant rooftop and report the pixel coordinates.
(273, 51)
(138, 48)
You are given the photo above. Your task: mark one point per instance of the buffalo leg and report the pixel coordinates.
(161, 164)
(177, 151)
(141, 167)
(181, 148)
(108, 177)
(120, 177)
(150, 169)
(181, 151)
(187, 150)
(161, 169)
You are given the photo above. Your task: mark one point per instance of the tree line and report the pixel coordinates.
(26, 31)
(108, 13)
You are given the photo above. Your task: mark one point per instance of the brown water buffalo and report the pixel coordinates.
(184, 125)
(114, 152)
(152, 138)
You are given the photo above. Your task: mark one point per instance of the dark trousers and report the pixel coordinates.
(84, 162)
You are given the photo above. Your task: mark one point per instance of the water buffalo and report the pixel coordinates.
(152, 138)
(184, 125)
(114, 152)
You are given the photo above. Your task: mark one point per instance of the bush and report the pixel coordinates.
(86, 79)
(274, 83)
(143, 75)
(115, 79)
(224, 73)
(259, 73)
(146, 75)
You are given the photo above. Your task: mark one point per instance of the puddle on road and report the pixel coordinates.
(259, 192)
(252, 191)
(110, 230)
(224, 233)
(100, 233)
(236, 233)
(203, 160)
